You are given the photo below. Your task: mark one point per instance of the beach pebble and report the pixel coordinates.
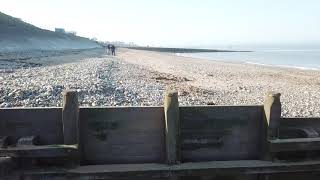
(109, 81)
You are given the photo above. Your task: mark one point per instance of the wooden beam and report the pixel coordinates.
(172, 127)
(46, 151)
(70, 117)
(212, 168)
(271, 123)
(272, 110)
(7, 165)
(71, 125)
(299, 144)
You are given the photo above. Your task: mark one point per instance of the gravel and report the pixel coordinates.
(108, 81)
(222, 83)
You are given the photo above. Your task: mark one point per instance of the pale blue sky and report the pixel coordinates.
(177, 22)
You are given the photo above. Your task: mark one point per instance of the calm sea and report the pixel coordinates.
(302, 59)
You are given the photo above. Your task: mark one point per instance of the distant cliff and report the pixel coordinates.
(16, 35)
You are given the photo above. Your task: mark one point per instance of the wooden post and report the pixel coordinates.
(272, 110)
(172, 125)
(271, 123)
(70, 117)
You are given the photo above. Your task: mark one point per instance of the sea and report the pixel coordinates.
(289, 58)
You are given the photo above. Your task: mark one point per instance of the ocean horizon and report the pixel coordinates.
(289, 58)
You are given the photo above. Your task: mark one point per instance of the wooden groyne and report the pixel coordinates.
(169, 142)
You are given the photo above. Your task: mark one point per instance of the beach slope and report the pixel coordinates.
(235, 83)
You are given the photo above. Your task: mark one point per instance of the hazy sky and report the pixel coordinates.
(177, 22)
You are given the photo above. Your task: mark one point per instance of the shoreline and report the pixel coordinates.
(181, 50)
(284, 66)
(198, 60)
(232, 83)
(288, 67)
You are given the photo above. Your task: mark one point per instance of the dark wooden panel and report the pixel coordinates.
(295, 176)
(220, 132)
(299, 127)
(147, 171)
(7, 165)
(299, 144)
(43, 122)
(45, 151)
(300, 122)
(122, 135)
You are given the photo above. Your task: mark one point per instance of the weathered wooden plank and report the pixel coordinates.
(212, 168)
(122, 135)
(70, 117)
(294, 127)
(7, 165)
(45, 151)
(172, 124)
(172, 129)
(298, 132)
(299, 122)
(20, 122)
(295, 176)
(299, 144)
(242, 167)
(220, 132)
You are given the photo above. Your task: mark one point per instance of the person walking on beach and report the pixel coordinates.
(108, 49)
(113, 50)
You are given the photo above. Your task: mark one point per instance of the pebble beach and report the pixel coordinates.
(140, 78)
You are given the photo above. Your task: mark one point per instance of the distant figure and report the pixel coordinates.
(113, 50)
(108, 49)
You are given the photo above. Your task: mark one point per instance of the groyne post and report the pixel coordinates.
(172, 127)
(272, 109)
(70, 117)
(71, 125)
(271, 122)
